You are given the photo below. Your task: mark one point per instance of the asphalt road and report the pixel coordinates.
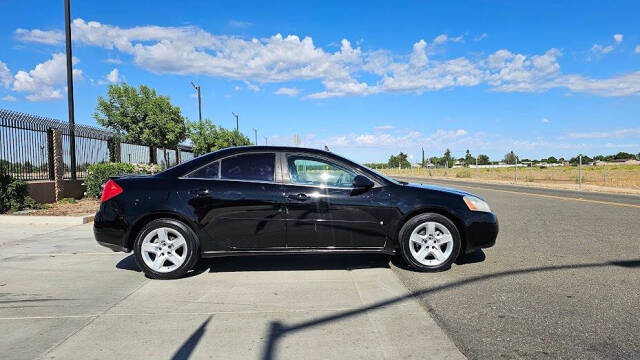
(563, 280)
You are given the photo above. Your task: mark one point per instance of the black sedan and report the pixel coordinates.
(285, 200)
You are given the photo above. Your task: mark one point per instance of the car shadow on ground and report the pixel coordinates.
(297, 262)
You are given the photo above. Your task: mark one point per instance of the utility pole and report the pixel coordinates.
(476, 166)
(72, 121)
(236, 116)
(197, 87)
(580, 173)
(423, 157)
(255, 132)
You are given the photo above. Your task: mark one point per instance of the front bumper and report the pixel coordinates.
(482, 231)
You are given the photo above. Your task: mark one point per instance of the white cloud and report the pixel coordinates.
(113, 61)
(481, 37)
(637, 50)
(517, 72)
(48, 37)
(599, 49)
(384, 127)
(277, 59)
(287, 91)
(9, 98)
(618, 38)
(444, 38)
(5, 75)
(252, 87)
(545, 121)
(621, 133)
(440, 39)
(113, 76)
(46, 81)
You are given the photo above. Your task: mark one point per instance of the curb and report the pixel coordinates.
(40, 220)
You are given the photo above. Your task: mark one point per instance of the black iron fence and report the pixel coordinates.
(26, 148)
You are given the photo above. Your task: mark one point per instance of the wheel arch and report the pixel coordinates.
(145, 219)
(457, 221)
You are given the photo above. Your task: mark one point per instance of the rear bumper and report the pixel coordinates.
(109, 230)
(481, 232)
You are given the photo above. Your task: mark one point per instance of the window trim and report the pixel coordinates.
(286, 176)
(276, 179)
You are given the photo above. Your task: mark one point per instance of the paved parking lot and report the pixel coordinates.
(63, 297)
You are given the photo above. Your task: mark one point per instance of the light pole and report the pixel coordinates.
(236, 116)
(197, 87)
(72, 121)
(255, 132)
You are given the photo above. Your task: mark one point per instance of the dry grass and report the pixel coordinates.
(617, 176)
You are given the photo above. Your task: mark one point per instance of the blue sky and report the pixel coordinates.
(367, 79)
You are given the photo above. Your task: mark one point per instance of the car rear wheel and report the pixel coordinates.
(429, 242)
(166, 249)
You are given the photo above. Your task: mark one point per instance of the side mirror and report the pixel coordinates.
(362, 182)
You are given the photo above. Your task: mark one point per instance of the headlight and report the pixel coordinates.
(476, 204)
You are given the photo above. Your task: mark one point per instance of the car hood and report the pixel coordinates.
(440, 189)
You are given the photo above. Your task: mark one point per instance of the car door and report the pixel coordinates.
(238, 201)
(324, 210)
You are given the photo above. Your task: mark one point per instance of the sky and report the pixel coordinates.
(367, 79)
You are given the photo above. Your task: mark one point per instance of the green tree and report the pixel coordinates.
(552, 160)
(206, 137)
(448, 159)
(623, 156)
(399, 160)
(483, 159)
(510, 158)
(141, 116)
(469, 159)
(203, 136)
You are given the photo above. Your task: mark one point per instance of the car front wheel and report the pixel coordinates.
(429, 242)
(166, 249)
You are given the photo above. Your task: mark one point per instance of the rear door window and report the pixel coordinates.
(206, 172)
(251, 167)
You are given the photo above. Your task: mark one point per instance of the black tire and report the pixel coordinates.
(192, 248)
(404, 242)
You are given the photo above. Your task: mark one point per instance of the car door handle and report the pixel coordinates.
(299, 197)
(200, 192)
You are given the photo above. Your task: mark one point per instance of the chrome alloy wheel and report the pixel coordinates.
(164, 249)
(431, 243)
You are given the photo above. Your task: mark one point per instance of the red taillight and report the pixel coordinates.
(111, 189)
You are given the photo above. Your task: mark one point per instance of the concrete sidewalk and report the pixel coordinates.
(62, 296)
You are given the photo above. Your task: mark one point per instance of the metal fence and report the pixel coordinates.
(26, 147)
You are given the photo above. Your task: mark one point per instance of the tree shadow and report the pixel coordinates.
(277, 330)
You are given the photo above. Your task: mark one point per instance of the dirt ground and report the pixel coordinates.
(80, 207)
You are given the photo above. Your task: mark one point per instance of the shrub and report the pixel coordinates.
(463, 174)
(14, 195)
(98, 174)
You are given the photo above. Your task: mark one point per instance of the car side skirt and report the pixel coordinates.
(210, 254)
